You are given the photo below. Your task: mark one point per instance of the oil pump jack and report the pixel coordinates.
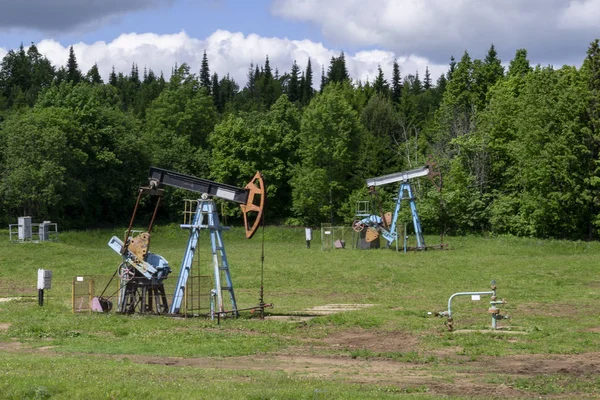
(142, 273)
(385, 225)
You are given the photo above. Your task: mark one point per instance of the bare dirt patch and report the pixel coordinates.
(333, 308)
(452, 377)
(6, 299)
(374, 341)
(10, 346)
(553, 310)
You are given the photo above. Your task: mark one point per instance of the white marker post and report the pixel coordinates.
(308, 233)
(44, 281)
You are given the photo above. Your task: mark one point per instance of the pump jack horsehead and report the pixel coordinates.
(142, 272)
(385, 225)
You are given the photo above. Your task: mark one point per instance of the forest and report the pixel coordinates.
(518, 145)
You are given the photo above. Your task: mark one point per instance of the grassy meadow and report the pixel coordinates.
(390, 349)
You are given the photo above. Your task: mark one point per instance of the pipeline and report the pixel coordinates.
(493, 310)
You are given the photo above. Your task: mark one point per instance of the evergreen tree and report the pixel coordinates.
(293, 89)
(61, 75)
(42, 72)
(323, 80)
(93, 75)
(73, 72)
(267, 83)
(228, 90)
(380, 85)
(205, 80)
(337, 71)
(451, 68)
(485, 75)
(23, 75)
(416, 86)
(251, 81)
(493, 67)
(519, 66)
(308, 91)
(427, 80)
(134, 77)
(215, 91)
(396, 83)
(112, 78)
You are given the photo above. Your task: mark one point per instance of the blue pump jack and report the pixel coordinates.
(142, 272)
(387, 229)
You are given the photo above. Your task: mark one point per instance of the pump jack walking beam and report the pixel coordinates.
(251, 198)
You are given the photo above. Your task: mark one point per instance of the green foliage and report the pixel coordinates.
(23, 75)
(178, 124)
(329, 139)
(92, 157)
(519, 152)
(254, 141)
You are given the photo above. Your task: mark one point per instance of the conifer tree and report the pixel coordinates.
(519, 66)
(396, 83)
(451, 68)
(134, 77)
(73, 72)
(93, 75)
(205, 80)
(337, 71)
(427, 79)
(112, 78)
(251, 80)
(215, 91)
(268, 90)
(308, 92)
(416, 85)
(293, 90)
(381, 85)
(323, 79)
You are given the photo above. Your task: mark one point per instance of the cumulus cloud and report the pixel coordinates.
(581, 14)
(2, 52)
(436, 29)
(227, 52)
(66, 15)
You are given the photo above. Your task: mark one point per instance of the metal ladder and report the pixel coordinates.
(206, 217)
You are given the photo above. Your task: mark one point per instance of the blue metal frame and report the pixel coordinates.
(220, 264)
(391, 235)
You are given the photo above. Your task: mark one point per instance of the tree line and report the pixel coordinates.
(518, 147)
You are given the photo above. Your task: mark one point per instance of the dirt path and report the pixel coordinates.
(453, 376)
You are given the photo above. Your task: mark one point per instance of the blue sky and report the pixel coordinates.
(159, 33)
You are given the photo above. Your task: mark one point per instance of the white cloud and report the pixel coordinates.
(227, 52)
(581, 14)
(549, 29)
(2, 52)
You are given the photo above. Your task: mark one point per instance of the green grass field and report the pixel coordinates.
(548, 348)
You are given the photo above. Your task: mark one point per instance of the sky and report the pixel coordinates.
(158, 34)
